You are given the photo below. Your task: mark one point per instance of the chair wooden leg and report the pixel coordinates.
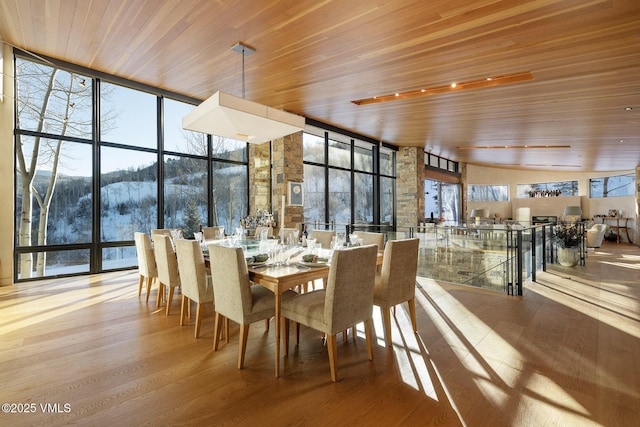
(226, 330)
(217, 330)
(286, 323)
(333, 355)
(412, 314)
(242, 346)
(266, 324)
(169, 300)
(140, 282)
(198, 319)
(368, 333)
(160, 294)
(386, 320)
(149, 280)
(297, 328)
(185, 301)
(353, 332)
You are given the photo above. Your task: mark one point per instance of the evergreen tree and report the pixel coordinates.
(192, 219)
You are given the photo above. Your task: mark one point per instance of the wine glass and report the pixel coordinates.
(311, 245)
(239, 232)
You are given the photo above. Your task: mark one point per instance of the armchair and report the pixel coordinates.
(595, 235)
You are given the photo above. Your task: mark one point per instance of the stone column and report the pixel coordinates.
(409, 186)
(287, 167)
(259, 177)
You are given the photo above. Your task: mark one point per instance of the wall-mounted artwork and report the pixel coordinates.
(296, 194)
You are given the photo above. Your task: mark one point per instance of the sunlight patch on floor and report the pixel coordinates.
(479, 348)
(622, 264)
(565, 408)
(67, 295)
(410, 360)
(616, 310)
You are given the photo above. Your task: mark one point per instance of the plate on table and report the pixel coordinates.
(256, 264)
(313, 264)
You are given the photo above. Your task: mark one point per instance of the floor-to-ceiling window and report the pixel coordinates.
(347, 179)
(53, 146)
(98, 158)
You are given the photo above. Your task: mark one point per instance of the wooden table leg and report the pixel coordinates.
(277, 328)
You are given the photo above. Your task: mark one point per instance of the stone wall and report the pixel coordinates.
(464, 266)
(287, 167)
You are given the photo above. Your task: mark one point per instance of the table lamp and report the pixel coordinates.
(572, 213)
(477, 214)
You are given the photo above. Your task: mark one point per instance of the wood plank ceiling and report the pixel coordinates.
(314, 57)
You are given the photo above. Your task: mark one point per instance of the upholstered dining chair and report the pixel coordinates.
(322, 237)
(146, 262)
(396, 282)
(259, 230)
(346, 301)
(165, 231)
(236, 299)
(196, 285)
(174, 233)
(369, 238)
(167, 263)
(213, 233)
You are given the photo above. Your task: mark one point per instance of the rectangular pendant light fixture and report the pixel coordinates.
(236, 118)
(231, 117)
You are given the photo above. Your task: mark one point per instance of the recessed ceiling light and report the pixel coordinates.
(621, 141)
(628, 108)
(453, 85)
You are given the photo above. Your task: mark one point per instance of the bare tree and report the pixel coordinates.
(46, 101)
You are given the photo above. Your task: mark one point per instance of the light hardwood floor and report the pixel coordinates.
(565, 354)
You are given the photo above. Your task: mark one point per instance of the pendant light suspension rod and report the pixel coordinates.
(243, 50)
(243, 97)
